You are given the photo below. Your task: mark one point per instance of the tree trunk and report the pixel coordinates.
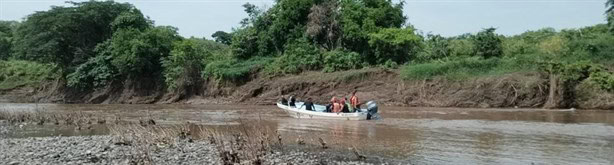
(555, 93)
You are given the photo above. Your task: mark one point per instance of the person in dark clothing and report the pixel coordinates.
(283, 101)
(345, 107)
(292, 101)
(308, 105)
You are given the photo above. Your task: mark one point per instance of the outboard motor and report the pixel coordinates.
(371, 109)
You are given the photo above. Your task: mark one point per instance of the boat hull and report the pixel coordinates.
(301, 113)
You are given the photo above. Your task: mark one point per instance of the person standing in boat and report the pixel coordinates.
(308, 105)
(292, 101)
(354, 101)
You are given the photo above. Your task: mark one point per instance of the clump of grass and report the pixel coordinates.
(146, 139)
(456, 69)
(242, 144)
(246, 144)
(233, 70)
(56, 118)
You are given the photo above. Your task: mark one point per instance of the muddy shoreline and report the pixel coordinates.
(101, 150)
(517, 90)
(105, 149)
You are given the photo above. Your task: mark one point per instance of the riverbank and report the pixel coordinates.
(102, 150)
(134, 144)
(523, 90)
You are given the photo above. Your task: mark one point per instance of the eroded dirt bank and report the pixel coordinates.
(529, 90)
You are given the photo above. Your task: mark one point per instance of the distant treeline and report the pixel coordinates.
(92, 44)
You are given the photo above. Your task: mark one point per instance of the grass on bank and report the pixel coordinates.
(464, 68)
(16, 73)
(233, 70)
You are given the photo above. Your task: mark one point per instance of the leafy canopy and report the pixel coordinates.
(68, 35)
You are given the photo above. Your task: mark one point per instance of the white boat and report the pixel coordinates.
(302, 113)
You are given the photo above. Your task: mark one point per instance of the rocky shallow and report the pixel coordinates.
(102, 150)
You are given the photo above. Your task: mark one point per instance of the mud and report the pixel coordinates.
(523, 90)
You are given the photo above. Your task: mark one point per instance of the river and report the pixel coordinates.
(403, 134)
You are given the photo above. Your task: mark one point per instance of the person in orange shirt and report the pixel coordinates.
(354, 100)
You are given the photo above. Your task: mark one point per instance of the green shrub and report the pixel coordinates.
(299, 56)
(398, 45)
(488, 44)
(603, 80)
(517, 46)
(182, 69)
(461, 47)
(96, 72)
(15, 73)
(338, 60)
(435, 47)
(137, 54)
(233, 70)
(462, 68)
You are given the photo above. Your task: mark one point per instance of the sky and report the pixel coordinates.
(201, 18)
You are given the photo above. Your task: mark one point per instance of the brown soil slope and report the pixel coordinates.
(384, 86)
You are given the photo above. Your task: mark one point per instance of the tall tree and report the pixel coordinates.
(7, 29)
(359, 18)
(137, 54)
(393, 45)
(323, 25)
(67, 36)
(222, 37)
(488, 43)
(610, 13)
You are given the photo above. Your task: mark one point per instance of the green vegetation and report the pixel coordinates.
(16, 73)
(182, 69)
(94, 44)
(467, 67)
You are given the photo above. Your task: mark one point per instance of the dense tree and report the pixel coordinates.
(7, 29)
(329, 23)
(359, 18)
(67, 36)
(323, 25)
(245, 43)
(488, 43)
(132, 19)
(137, 54)
(299, 56)
(182, 69)
(610, 14)
(96, 72)
(394, 45)
(290, 20)
(253, 39)
(222, 37)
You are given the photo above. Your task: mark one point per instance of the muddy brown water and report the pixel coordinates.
(412, 135)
